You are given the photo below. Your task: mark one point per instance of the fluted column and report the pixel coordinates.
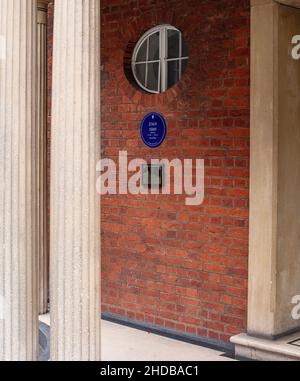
(75, 210)
(43, 258)
(18, 173)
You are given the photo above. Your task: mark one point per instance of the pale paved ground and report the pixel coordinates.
(128, 344)
(120, 343)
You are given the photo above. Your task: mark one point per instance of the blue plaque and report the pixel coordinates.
(153, 130)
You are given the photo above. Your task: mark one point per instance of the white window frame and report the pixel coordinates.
(163, 57)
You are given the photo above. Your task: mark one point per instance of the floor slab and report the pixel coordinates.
(122, 343)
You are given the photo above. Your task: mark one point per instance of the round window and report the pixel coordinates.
(159, 59)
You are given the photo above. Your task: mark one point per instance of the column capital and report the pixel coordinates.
(42, 8)
(43, 5)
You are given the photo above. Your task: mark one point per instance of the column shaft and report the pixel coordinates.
(75, 210)
(274, 243)
(18, 172)
(43, 258)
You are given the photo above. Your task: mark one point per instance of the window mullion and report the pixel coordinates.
(180, 55)
(163, 58)
(147, 59)
(177, 59)
(144, 62)
(158, 78)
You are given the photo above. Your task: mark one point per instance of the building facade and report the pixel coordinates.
(225, 272)
(174, 266)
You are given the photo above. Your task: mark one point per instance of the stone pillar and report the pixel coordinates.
(75, 209)
(18, 173)
(275, 176)
(274, 266)
(43, 253)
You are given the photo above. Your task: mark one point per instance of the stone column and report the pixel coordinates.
(43, 257)
(75, 209)
(274, 239)
(275, 176)
(18, 173)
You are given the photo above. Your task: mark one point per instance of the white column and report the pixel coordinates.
(43, 257)
(18, 173)
(75, 209)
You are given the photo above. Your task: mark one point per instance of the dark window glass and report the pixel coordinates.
(152, 80)
(142, 53)
(140, 71)
(154, 47)
(173, 43)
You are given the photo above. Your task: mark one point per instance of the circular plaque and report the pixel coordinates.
(153, 130)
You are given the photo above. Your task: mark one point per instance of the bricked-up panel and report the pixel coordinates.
(165, 263)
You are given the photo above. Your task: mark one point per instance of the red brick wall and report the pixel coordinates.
(164, 263)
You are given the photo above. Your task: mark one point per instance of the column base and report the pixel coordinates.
(286, 348)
